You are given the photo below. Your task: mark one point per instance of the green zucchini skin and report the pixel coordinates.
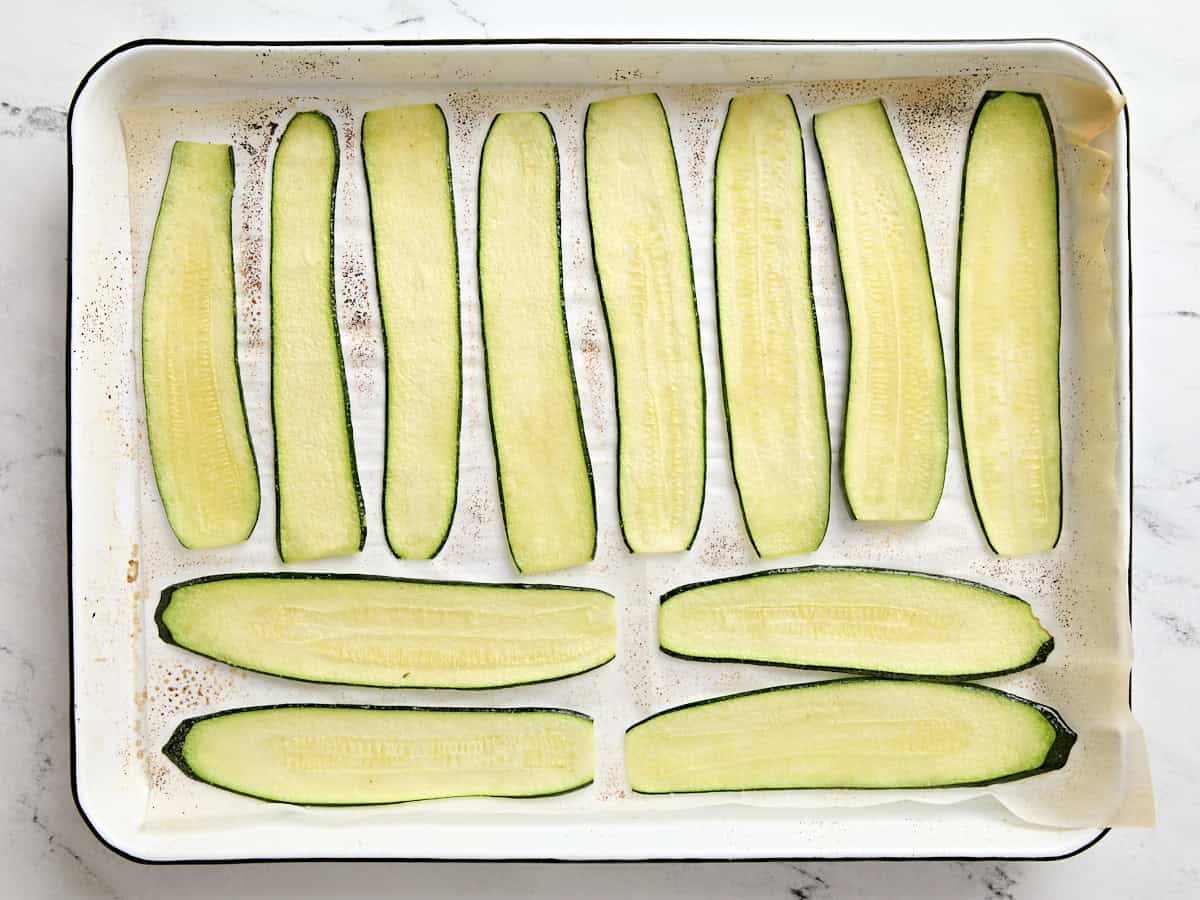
(850, 331)
(612, 350)
(1056, 755)
(1042, 654)
(566, 336)
(383, 327)
(173, 749)
(988, 96)
(337, 342)
(164, 632)
(816, 333)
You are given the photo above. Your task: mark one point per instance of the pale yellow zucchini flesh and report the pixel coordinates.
(196, 422)
(1008, 324)
(320, 509)
(355, 755)
(388, 632)
(770, 357)
(849, 733)
(874, 621)
(896, 432)
(644, 264)
(542, 460)
(406, 157)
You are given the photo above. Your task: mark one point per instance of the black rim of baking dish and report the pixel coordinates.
(500, 42)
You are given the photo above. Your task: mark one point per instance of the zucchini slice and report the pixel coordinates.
(644, 266)
(406, 158)
(319, 503)
(848, 733)
(895, 444)
(195, 416)
(770, 355)
(391, 632)
(542, 462)
(871, 621)
(1008, 324)
(321, 755)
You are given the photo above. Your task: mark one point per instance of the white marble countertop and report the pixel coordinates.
(45, 848)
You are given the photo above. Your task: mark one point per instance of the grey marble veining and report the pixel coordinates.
(16, 121)
(465, 13)
(45, 848)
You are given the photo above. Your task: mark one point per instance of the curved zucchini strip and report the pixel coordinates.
(195, 417)
(644, 266)
(406, 158)
(542, 462)
(848, 733)
(770, 354)
(319, 503)
(896, 434)
(870, 621)
(321, 755)
(1008, 324)
(391, 632)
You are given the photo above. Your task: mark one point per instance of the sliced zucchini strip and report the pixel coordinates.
(195, 418)
(770, 355)
(1008, 324)
(320, 509)
(391, 632)
(644, 264)
(355, 755)
(542, 462)
(849, 733)
(896, 439)
(874, 621)
(406, 157)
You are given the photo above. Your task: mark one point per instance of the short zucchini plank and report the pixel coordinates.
(357, 755)
(644, 265)
(770, 355)
(542, 462)
(406, 158)
(320, 509)
(896, 432)
(871, 621)
(1008, 324)
(391, 632)
(848, 733)
(195, 418)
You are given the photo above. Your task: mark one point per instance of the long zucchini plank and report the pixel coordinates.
(195, 417)
(355, 755)
(896, 432)
(848, 733)
(320, 508)
(1008, 324)
(644, 265)
(390, 632)
(542, 462)
(406, 158)
(870, 621)
(770, 355)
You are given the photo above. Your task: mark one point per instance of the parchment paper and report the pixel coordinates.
(1078, 590)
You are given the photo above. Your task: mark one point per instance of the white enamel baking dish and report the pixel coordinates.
(111, 583)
